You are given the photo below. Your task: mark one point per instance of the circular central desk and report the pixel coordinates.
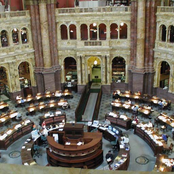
(88, 155)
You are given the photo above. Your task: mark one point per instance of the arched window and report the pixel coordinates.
(4, 38)
(72, 31)
(163, 33)
(102, 32)
(164, 74)
(64, 34)
(93, 31)
(15, 36)
(114, 31)
(118, 69)
(84, 32)
(123, 31)
(24, 35)
(171, 33)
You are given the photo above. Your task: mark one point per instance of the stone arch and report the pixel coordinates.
(163, 78)
(162, 33)
(171, 33)
(93, 69)
(15, 35)
(72, 31)
(64, 31)
(25, 71)
(114, 31)
(102, 31)
(4, 81)
(84, 31)
(70, 69)
(93, 31)
(123, 30)
(4, 38)
(24, 31)
(118, 69)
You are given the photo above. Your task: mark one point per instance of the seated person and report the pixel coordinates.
(165, 137)
(58, 93)
(160, 104)
(109, 157)
(19, 116)
(150, 124)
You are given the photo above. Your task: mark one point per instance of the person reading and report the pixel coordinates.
(109, 157)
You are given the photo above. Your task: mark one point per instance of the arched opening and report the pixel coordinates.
(102, 32)
(70, 70)
(163, 33)
(24, 75)
(72, 31)
(114, 31)
(93, 31)
(164, 74)
(123, 31)
(84, 32)
(94, 69)
(118, 69)
(171, 34)
(4, 87)
(15, 36)
(24, 35)
(64, 34)
(4, 38)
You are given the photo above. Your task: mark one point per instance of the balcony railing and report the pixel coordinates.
(14, 14)
(165, 9)
(95, 9)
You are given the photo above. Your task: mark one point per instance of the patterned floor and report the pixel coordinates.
(140, 152)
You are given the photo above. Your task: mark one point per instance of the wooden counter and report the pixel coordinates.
(116, 104)
(15, 134)
(43, 97)
(126, 124)
(90, 154)
(53, 119)
(137, 96)
(146, 137)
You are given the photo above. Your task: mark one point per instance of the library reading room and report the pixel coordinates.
(86, 86)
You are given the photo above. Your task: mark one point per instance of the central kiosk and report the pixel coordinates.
(74, 147)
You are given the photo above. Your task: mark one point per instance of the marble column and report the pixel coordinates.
(140, 35)
(44, 33)
(35, 29)
(53, 32)
(103, 70)
(19, 36)
(108, 70)
(88, 28)
(171, 80)
(98, 32)
(78, 32)
(133, 33)
(83, 71)
(147, 33)
(78, 70)
(107, 31)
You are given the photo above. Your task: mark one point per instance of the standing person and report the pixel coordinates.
(109, 157)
